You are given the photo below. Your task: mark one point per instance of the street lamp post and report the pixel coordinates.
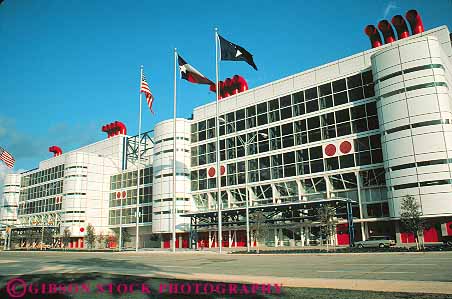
(120, 225)
(42, 230)
(9, 232)
(247, 205)
(9, 237)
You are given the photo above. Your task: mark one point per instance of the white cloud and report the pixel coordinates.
(28, 149)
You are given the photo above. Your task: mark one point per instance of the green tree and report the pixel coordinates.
(66, 237)
(259, 227)
(125, 236)
(410, 217)
(107, 241)
(47, 236)
(100, 240)
(90, 236)
(328, 224)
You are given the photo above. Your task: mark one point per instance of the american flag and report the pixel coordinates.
(145, 88)
(7, 158)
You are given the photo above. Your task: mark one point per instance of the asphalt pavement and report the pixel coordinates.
(415, 272)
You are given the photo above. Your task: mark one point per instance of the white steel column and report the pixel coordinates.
(358, 184)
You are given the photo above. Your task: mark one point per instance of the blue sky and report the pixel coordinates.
(69, 67)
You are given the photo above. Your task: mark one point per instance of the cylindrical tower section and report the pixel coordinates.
(9, 202)
(162, 195)
(412, 85)
(74, 202)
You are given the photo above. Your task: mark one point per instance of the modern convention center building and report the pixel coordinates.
(360, 134)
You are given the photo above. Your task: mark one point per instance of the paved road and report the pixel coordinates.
(433, 266)
(387, 272)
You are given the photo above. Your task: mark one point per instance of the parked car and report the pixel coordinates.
(447, 241)
(376, 241)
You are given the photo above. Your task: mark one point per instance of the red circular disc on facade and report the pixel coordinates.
(118, 194)
(211, 172)
(222, 170)
(82, 229)
(345, 147)
(330, 150)
(124, 194)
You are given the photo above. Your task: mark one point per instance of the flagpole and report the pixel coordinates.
(174, 153)
(217, 133)
(138, 168)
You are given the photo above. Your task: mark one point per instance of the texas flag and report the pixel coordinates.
(191, 74)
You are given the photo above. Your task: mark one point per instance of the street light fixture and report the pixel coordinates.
(246, 145)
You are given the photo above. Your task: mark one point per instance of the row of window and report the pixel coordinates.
(169, 212)
(294, 163)
(171, 199)
(329, 125)
(171, 174)
(131, 197)
(171, 138)
(43, 176)
(76, 167)
(422, 184)
(171, 151)
(410, 70)
(40, 206)
(76, 176)
(411, 88)
(344, 185)
(360, 86)
(418, 125)
(129, 215)
(377, 210)
(421, 164)
(129, 179)
(44, 190)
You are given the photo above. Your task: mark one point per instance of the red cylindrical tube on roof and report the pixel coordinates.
(414, 18)
(122, 128)
(373, 35)
(386, 30)
(221, 89)
(242, 84)
(227, 87)
(400, 26)
(109, 130)
(114, 128)
(234, 88)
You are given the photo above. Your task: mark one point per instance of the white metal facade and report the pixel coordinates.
(397, 118)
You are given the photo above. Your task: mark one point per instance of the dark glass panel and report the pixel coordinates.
(339, 85)
(354, 81)
(311, 93)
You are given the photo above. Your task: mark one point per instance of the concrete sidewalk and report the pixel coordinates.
(402, 286)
